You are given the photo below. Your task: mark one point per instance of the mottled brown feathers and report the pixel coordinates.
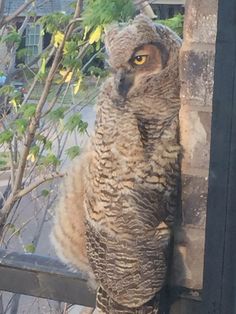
(120, 199)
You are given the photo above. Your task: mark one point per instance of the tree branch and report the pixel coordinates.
(38, 182)
(12, 63)
(2, 7)
(18, 11)
(16, 190)
(32, 62)
(144, 7)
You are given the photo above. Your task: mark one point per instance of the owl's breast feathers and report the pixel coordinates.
(131, 200)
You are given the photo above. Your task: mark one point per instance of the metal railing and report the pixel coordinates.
(46, 277)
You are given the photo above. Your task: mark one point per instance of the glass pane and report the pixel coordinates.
(37, 29)
(31, 40)
(31, 30)
(36, 39)
(35, 50)
(30, 51)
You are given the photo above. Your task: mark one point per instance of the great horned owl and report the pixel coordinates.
(120, 198)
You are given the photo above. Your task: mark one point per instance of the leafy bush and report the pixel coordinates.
(102, 12)
(175, 23)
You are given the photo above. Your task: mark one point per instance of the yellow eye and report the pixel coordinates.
(139, 60)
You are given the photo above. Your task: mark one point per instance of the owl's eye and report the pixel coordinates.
(140, 59)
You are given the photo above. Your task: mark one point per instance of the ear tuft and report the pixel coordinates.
(110, 33)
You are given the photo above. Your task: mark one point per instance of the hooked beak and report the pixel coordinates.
(124, 81)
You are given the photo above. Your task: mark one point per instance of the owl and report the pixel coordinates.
(119, 202)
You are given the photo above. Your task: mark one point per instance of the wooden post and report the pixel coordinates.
(196, 73)
(220, 253)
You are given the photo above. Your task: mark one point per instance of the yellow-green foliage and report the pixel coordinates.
(175, 23)
(102, 12)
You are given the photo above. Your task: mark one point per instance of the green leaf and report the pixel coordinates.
(12, 37)
(43, 66)
(96, 71)
(21, 53)
(48, 145)
(12, 228)
(3, 163)
(6, 136)
(45, 193)
(30, 248)
(102, 12)
(14, 95)
(40, 138)
(28, 110)
(98, 45)
(43, 140)
(175, 23)
(21, 126)
(54, 22)
(57, 114)
(71, 47)
(50, 159)
(6, 90)
(75, 122)
(4, 160)
(73, 152)
(34, 150)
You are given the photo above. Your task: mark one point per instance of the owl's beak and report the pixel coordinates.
(124, 81)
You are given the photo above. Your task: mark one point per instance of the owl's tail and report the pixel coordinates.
(69, 232)
(106, 305)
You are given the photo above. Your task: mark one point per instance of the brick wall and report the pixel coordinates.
(196, 73)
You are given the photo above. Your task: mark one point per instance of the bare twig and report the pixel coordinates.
(144, 7)
(16, 190)
(12, 164)
(38, 182)
(18, 230)
(47, 206)
(11, 67)
(18, 11)
(32, 62)
(2, 8)
(11, 159)
(10, 222)
(33, 85)
(92, 58)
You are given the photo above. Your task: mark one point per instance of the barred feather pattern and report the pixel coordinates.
(117, 224)
(108, 305)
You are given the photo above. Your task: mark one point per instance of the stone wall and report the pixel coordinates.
(196, 74)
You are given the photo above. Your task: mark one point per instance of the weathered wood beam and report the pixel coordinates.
(43, 277)
(220, 254)
(46, 277)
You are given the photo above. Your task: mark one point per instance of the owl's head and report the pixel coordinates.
(139, 51)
